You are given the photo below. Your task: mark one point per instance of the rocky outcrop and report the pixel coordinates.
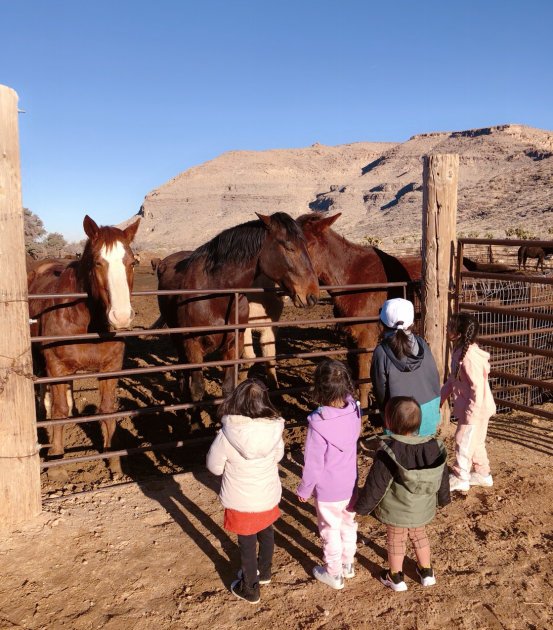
(506, 179)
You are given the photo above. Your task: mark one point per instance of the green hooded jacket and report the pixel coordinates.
(411, 497)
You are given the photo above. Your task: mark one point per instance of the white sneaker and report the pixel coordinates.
(426, 576)
(476, 479)
(348, 571)
(334, 581)
(458, 485)
(395, 582)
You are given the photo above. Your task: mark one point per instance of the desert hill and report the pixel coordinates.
(505, 179)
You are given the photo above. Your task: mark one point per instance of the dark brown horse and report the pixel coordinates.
(541, 253)
(338, 261)
(273, 245)
(105, 273)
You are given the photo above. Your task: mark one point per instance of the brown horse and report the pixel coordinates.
(273, 245)
(105, 273)
(338, 261)
(541, 253)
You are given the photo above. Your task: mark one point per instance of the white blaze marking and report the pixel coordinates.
(121, 313)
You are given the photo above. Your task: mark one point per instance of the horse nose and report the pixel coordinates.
(312, 299)
(120, 319)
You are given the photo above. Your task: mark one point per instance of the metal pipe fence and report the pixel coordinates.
(515, 311)
(234, 328)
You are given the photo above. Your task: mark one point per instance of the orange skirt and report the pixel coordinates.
(248, 523)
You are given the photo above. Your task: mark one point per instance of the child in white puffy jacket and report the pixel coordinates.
(246, 453)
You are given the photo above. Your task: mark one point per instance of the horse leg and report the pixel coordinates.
(194, 354)
(56, 401)
(248, 351)
(268, 349)
(70, 399)
(45, 402)
(228, 355)
(365, 338)
(181, 375)
(108, 404)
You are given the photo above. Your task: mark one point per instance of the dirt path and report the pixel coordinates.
(154, 555)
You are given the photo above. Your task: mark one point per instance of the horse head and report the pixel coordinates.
(107, 268)
(314, 227)
(284, 259)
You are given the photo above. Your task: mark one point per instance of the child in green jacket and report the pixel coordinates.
(408, 477)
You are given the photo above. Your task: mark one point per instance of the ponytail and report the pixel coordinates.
(399, 341)
(468, 327)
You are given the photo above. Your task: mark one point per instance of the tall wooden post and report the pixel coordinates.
(439, 218)
(19, 460)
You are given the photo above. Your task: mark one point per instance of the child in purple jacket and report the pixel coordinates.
(330, 469)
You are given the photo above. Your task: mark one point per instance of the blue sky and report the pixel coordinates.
(122, 95)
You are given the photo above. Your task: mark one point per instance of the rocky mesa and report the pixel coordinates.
(505, 179)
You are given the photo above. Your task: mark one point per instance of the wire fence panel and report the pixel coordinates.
(516, 326)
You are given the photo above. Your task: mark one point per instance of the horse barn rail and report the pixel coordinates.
(515, 311)
(236, 362)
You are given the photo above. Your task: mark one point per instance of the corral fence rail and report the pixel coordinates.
(515, 311)
(233, 329)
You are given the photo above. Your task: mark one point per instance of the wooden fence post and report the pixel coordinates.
(439, 219)
(19, 460)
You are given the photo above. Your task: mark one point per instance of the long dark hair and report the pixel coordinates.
(332, 382)
(251, 399)
(467, 327)
(399, 342)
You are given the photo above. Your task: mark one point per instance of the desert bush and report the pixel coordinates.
(372, 241)
(519, 232)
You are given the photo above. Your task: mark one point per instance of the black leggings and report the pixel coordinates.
(250, 561)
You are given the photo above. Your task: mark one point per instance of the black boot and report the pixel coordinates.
(242, 591)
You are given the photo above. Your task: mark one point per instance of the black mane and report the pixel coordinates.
(241, 243)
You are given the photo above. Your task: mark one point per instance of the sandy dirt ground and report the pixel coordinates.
(149, 551)
(154, 554)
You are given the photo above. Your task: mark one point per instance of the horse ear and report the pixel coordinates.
(264, 219)
(323, 224)
(90, 227)
(130, 231)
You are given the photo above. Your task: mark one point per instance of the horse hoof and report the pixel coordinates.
(115, 470)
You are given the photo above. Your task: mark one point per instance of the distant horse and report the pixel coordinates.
(272, 245)
(154, 262)
(105, 273)
(473, 265)
(528, 251)
(338, 261)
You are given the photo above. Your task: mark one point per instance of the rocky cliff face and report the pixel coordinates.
(505, 179)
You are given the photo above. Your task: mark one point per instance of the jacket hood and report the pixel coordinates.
(475, 355)
(409, 363)
(253, 438)
(337, 426)
(477, 352)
